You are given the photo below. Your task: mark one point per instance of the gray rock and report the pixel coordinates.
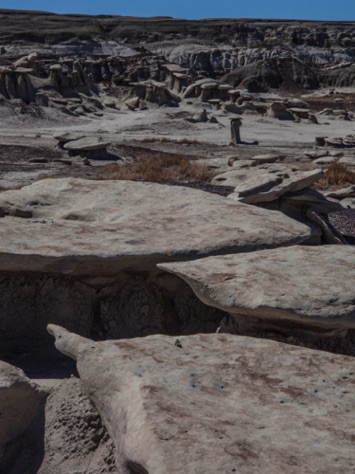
(267, 158)
(219, 403)
(342, 193)
(86, 144)
(66, 137)
(250, 193)
(309, 285)
(127, 225)
(21, 403)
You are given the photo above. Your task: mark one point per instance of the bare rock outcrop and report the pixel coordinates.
(218, 403)
(126, 224)
(312, 286)
(83, 254)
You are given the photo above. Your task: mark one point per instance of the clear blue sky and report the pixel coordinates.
(193, 9)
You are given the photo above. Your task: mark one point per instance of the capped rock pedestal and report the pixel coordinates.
(279, 288)
(83, 254)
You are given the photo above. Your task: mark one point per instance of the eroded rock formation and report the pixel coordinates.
(218, 403)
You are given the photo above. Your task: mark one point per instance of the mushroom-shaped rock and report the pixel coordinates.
(306, 285)
(90, 147)
(217, 403)
(127, 225)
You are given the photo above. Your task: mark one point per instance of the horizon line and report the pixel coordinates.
(176, 18)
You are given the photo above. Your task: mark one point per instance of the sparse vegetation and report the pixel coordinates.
(336, 175)
(163, 167)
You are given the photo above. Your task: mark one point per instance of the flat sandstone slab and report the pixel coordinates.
(70, 225)
(218, 403)
(314, 285)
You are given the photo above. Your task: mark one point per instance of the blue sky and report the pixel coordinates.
(193, 9)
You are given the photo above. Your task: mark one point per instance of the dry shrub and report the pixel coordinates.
(183, 141)
(164, 167)
(336, 175)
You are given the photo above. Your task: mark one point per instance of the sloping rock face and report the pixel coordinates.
(21, 406)
(219, 403)
(309, 285)
(83, 254)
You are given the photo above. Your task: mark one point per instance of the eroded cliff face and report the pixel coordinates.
(72, 54)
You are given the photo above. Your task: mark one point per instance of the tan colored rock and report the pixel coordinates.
(279, 111)
(308, 285)
(86, 144)
(21, 402)
(65, 137)
(342, 193)
(255, 180)
(218, 403)
(267, 158)
(250, 193)
(127, 224)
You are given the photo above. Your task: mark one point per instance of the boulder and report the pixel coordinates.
(199, 117)
(279, 111)
(73, 226)
(218, 403)
(21, 404)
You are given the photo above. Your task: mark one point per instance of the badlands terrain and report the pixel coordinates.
(177, 229)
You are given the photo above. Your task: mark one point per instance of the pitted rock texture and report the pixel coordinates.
(75, 441)
(310, 285)
(219, 403)
(93, 228)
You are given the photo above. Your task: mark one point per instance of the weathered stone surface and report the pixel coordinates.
(86, 144)
(219, 403)
(308, 198)
(254, 180)
(65, 137)
(267, 158)
(72, 225)
(250, 193)
(310, 285)
(342, 193)
(21, 402)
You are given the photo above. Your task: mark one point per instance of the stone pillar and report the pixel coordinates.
(236, 123)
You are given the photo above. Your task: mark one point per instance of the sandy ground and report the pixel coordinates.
(161, 128)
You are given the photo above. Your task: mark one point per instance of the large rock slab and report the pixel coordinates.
(72, 225)
(219, 403)
(308, 285)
